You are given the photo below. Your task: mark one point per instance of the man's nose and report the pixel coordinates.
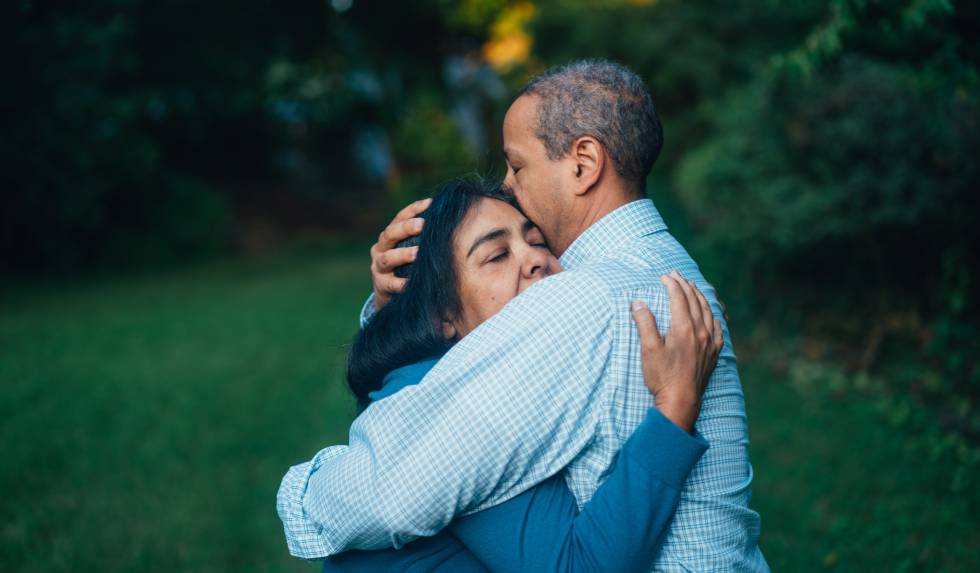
(509, 182)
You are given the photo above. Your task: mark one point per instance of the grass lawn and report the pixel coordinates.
(147, 420)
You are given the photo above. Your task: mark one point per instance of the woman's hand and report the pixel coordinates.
(676, 367)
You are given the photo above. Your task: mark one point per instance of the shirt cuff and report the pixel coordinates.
(666, 451)
(368, 310)
(304, 537)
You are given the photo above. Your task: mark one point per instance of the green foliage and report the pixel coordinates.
(683, 49)
(111, 123)
(862, 158)
(430, 149)
(843, 177)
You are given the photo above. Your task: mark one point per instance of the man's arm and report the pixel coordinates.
(386, 256)
(509, 406)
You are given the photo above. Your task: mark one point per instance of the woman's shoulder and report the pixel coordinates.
(405, 376)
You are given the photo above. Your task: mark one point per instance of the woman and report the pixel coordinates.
(475, 253)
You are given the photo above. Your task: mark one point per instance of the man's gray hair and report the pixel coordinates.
(604, 100)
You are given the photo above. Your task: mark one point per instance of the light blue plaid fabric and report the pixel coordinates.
(551, 382)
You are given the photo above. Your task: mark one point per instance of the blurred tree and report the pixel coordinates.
(690, 52)
(123, 119)
(850, 153)
(843, 177)
(135, 129)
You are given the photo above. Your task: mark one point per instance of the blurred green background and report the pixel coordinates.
(190, 190)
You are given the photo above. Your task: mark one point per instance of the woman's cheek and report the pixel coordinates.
(498, 289)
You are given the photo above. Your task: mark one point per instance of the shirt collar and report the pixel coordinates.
(608, 234)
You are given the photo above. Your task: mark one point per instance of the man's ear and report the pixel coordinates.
(589, 159)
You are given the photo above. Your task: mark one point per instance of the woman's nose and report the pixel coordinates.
(536, 263)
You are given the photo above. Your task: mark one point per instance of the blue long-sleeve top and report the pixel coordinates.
(620, 529)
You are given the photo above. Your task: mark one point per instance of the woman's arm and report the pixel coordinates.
(440, 553)
(623, 525)
(620, 529)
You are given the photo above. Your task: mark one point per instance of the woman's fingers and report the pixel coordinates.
(706, 315)
(692, 302)
(680, 313)
(693, 308)
(646, 324)
(717, 337)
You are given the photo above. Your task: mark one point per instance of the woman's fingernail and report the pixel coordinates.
(418, 224)
(637, 305)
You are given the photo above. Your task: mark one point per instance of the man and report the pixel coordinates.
(553, 381)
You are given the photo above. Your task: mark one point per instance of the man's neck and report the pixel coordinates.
(603, 202)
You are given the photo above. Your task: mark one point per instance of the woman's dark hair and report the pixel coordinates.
(409, 328)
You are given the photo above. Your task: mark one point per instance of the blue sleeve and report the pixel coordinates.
(441, 553)
(620, 529)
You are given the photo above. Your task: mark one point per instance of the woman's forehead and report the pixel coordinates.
(489, 215)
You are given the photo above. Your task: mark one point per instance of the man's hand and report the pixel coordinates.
(385, 258)
(676, 367)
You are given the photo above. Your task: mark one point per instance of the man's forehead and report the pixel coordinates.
(521, 114)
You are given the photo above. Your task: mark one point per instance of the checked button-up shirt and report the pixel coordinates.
(551, 383)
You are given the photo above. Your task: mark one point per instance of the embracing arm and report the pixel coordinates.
(508, 406)
(622, 527)
(542, 529)
(619, 529)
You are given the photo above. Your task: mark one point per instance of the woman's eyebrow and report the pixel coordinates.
(494, 234)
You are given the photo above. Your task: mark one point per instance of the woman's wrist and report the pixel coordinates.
(682, 410)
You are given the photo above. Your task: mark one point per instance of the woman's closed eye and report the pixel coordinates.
(500, 256)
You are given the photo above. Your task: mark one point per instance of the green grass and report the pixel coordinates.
(852, 481)
(146, 422)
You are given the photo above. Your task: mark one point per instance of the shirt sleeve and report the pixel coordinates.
(621, 528)
(510, 405)
(368, 310)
